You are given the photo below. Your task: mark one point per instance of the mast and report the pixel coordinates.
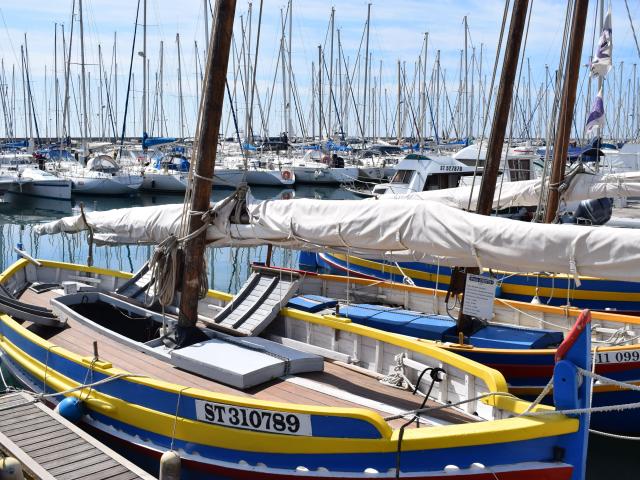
(205, 156)
(85, 124)
(399, 118)
(161, 81)
(180, 103)
(255, 68)
(320, 93)
(466, 80)
(55, 75)
(290, 72)
(503, 105)
(423, 97)
(144, 67)
(206, 23)
(333, 11)
(366, 75)
(567, 104)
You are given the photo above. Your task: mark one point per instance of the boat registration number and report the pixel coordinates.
(270, 421)
(622, 356)
(450, 168)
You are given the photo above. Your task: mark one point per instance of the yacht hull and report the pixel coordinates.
(55, 189)
(122, 185)
(165, 182)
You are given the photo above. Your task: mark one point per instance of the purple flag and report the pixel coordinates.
(601, 61)
(595, 121)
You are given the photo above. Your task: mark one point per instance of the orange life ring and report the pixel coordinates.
(286, 175)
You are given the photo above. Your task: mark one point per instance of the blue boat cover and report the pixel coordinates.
(148, 141)
(443, 328)
(312, 303)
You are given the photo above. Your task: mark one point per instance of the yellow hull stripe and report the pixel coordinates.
(509, 288)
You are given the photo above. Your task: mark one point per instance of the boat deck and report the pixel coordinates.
(337, 386)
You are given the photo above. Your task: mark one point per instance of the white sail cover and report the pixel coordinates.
(403, 229)
(583, 186)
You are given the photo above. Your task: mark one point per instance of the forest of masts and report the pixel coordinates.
(337, 95)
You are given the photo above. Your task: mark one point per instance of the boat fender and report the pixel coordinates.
(71, 408)
(10, 469)
(170, 465)
(286, 175)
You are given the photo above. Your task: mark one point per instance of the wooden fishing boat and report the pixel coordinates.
(338, 420)
(520, 341)
(550, 289)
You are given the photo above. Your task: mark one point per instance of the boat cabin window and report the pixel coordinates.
(402, 176)
(519, 169)
(438, 181)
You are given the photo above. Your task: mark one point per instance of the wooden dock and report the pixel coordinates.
(50, 447)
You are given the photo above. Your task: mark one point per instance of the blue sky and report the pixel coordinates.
(397, 30)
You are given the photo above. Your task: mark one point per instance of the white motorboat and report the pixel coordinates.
(418, 173)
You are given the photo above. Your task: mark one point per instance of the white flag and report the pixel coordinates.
(601, 61)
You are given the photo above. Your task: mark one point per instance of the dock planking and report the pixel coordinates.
(50, 447)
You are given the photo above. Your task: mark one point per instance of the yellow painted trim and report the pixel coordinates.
(596, 389)
(22, 263)
(574, 293)
(376, 266)
(14, 268)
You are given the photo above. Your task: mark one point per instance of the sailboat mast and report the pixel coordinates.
(503, 105)
(206, 22)
(329, 122)
(144, 67)
(85, 120)
(466, 79)
(289, 71)
(205, 156)
(399, 127)
(567, 103)
(366, 75)
(55, 76)
(180, 102)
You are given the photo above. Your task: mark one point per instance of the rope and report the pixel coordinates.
(40, 396)
(164, 265)
(175, 417)
(449, 405)
(614, 435)
(540, 319)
